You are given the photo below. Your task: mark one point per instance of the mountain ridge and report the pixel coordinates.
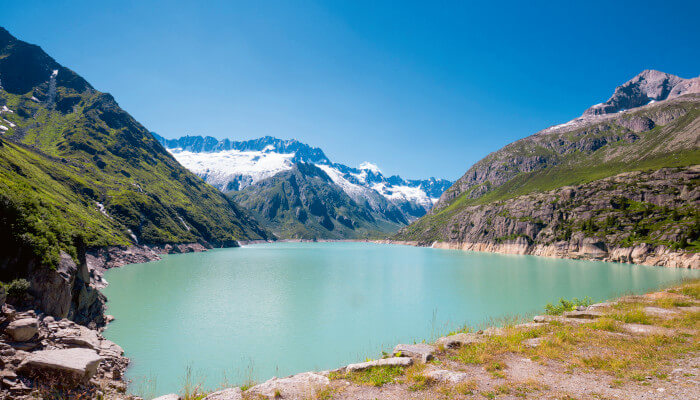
(234, 165)
(578, 156)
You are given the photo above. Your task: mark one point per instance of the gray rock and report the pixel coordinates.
(457, 340)
(585, 314)
(384, 362)
(446, 376)
(226, 394)
(298, 386)
(421, 351)
(23, 329)
(74, 365)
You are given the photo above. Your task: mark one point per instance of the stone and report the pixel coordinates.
(23, 329)
(663, 313)
(640, 329)
(584, 314)
(533, 342)
(384, 362)
(74, 365)
(226, 394)
(299, 386)
(446, 376)
(78, 336)
(457, 340)
(493, 331)
(168, 397)
(421, 351)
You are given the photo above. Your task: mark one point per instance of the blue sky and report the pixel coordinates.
(419, 88)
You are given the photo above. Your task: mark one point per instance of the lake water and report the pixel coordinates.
(266, 310)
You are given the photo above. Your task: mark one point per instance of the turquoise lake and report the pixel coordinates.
(250, 313)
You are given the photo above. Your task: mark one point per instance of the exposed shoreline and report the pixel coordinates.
(659, 256)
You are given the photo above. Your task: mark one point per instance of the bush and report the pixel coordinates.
(566, 305)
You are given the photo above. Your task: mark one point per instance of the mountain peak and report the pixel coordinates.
(370, 167)
(646, 87)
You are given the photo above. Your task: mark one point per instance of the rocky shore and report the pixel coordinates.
(586, 250)
(51, 344)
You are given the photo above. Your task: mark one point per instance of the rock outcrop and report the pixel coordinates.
(637, 217)
(38, 351)
(648, 86)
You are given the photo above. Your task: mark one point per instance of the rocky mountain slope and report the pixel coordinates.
(243, 166)
(576, 156)
(305, 203)
(77, 173)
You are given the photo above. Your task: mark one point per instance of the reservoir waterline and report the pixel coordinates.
(263, 310)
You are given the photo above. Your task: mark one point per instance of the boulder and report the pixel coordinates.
(226, 394)
(457, 340)
(586, 314)
(23, 329)
(71, 365)
(421, 351)
(298, 386)
(78, 336)
(384, 362)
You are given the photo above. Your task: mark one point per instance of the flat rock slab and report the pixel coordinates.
(78, 336)
(23, 329)
(447, 376)
(639, 329)
(458, 340)
(168, 397)
(300, 386)
(541, 319)
(226, 394)
(585, 314)
(74, 365)
(421, 351)
(659, 312)
(384, 362)
(533, 342)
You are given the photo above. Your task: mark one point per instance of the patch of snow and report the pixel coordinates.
(404, 193)
(136, 240)
(268, 148)
(10, 123)
(54, 73)
(220, 168)
(353, 190)
(5, 109)
(184, 223)
(3, 127)
(370, 167)
(35, 99)
(102, 209)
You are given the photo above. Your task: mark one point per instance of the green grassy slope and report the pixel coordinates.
(76, 170)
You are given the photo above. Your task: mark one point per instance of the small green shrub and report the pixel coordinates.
(566, 305)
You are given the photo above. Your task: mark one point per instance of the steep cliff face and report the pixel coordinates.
(495, 205)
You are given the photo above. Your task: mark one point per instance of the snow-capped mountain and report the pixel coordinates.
(234, 165)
